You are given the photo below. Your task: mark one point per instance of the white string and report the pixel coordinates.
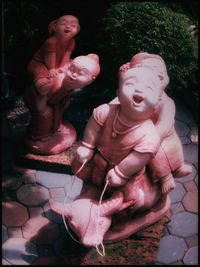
(63, 217)
(98, 212)
(97, 226)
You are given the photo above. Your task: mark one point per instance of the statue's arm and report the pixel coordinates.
(129, 166)
(88, 143)
(166, 117)
(50, 56)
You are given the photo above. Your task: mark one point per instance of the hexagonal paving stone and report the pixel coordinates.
(40, 230)
(185, 140)
(28, 175)
(11, 181)
(191, 257)
(24, 171)
(4, 262)
(35, 211)
(177, 193)
(171, 249)
(19, 251)
(190, 186)
(190, 153)
(57, 192)
(52, 216)
(190, 201)
(14, 214)
(189, 177)
(73, 190)
(33, 195)
(181, 128)
(192, 241)
(15, 232)
(4, 233)
(183, 224)
(177, 208)
(52, 179)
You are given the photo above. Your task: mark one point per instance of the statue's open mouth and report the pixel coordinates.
(138, 99)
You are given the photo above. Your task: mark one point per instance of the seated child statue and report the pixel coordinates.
(119, 141)
(170, 152)
(47, 134)
(123, 134)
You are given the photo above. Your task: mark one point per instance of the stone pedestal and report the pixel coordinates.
(56, 143)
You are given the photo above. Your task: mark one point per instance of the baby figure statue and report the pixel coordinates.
(119, 141)
(47, 134)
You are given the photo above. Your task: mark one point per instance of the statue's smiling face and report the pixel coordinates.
(81, 72)
(67, 26)
(139, 92)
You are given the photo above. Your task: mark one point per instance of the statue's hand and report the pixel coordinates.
(84, 154)
(53, 73)
(115, 179)
(63, 69)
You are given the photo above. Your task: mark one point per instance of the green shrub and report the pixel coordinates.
(130, 27)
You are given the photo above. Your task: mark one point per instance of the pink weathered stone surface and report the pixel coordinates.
(55, 143)
(129, 133)
(54, 76)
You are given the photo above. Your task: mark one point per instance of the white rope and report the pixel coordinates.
(98, 214)
(97, 226)
(63, 217)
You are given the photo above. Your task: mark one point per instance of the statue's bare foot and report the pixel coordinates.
(184, 170)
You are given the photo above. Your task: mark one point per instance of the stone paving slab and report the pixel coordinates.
(18, 251)
(39, 230)
(191, 256)
(51, 215)
(14, 214)
(190, 201)
(33, 195)
(190, 153)
(167, 253)
(53, 180)
(183, 224)
(178, 193)
(15, 232)
(11, 181)
(73, 190)
(4, 233)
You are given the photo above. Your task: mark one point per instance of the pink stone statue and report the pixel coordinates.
(130, 143)
(170, 152)
(54, 77)
(126, 140)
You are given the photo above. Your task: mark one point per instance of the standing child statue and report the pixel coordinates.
(54, 77)
(54, 53)
(119, 141)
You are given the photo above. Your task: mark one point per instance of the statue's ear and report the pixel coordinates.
(51, 27)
